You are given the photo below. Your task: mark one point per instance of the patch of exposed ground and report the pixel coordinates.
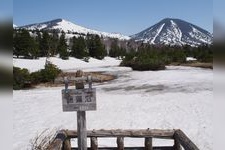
(59, 81)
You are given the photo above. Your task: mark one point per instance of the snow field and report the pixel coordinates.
(176, 98)
(66, 65)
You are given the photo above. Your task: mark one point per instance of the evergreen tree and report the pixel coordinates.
(79, 48)
(54, 41)
(90, 44)
(95, 47)
(114, 49)
(16, 49)
(38, 40)
(45, 44)
(100, 48)
(25, 45)
(62, 47)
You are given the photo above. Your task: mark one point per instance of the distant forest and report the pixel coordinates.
(34, 44)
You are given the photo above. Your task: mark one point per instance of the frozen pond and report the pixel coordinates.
(179, 97)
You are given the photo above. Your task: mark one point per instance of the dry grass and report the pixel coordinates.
(195, 64)
(199, 64)
(42, 140)
(60, 79)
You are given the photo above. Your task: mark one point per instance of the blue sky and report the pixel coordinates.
(6, 9)
(124, 16)
(219, 11)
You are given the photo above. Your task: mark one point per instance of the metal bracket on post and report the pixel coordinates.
(89, 79)
(66, 82)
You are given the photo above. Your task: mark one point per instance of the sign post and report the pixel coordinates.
(81, 100)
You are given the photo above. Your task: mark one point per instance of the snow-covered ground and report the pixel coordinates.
(66, 65)
(179, 97)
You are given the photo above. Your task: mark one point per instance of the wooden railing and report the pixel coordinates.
(181, 141)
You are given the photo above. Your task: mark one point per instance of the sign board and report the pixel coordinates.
(79, 99)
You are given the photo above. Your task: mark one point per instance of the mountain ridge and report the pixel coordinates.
(174, 31)
(67, 26)
(169, 31)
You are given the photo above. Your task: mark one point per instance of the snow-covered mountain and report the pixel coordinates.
(14, 26)
(69, 27)
(174, 32)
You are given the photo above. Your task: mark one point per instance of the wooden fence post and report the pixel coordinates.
(94, 143)
(81, 119)
(148, 143)
(120, 143)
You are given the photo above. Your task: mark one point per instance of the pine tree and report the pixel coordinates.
(115, 49)
(54, 41)
(90, 44)
(62, 47)
(16, 49)
(100, 48)
(45, 44)
(95, 47)
(25, 45)
(33, 48)
(79, 48)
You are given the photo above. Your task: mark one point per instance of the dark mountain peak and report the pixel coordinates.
(48, 23)
(58, 20)
(174, 31)
(53, 21)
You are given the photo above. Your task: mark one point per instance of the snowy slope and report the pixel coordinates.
(179, 97)
(67, 26)
(174, 32)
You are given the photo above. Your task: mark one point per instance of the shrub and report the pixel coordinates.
(50, 72)
(144, 64)
(21, 78)
(142, 61)
(36, 77)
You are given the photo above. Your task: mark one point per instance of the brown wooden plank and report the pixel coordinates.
(155, 133)
(186, 143)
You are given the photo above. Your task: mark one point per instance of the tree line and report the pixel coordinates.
(36, 44)
(156, 57)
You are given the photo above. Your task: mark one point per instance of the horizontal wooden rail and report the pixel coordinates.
(155, 133)
(62, 140)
